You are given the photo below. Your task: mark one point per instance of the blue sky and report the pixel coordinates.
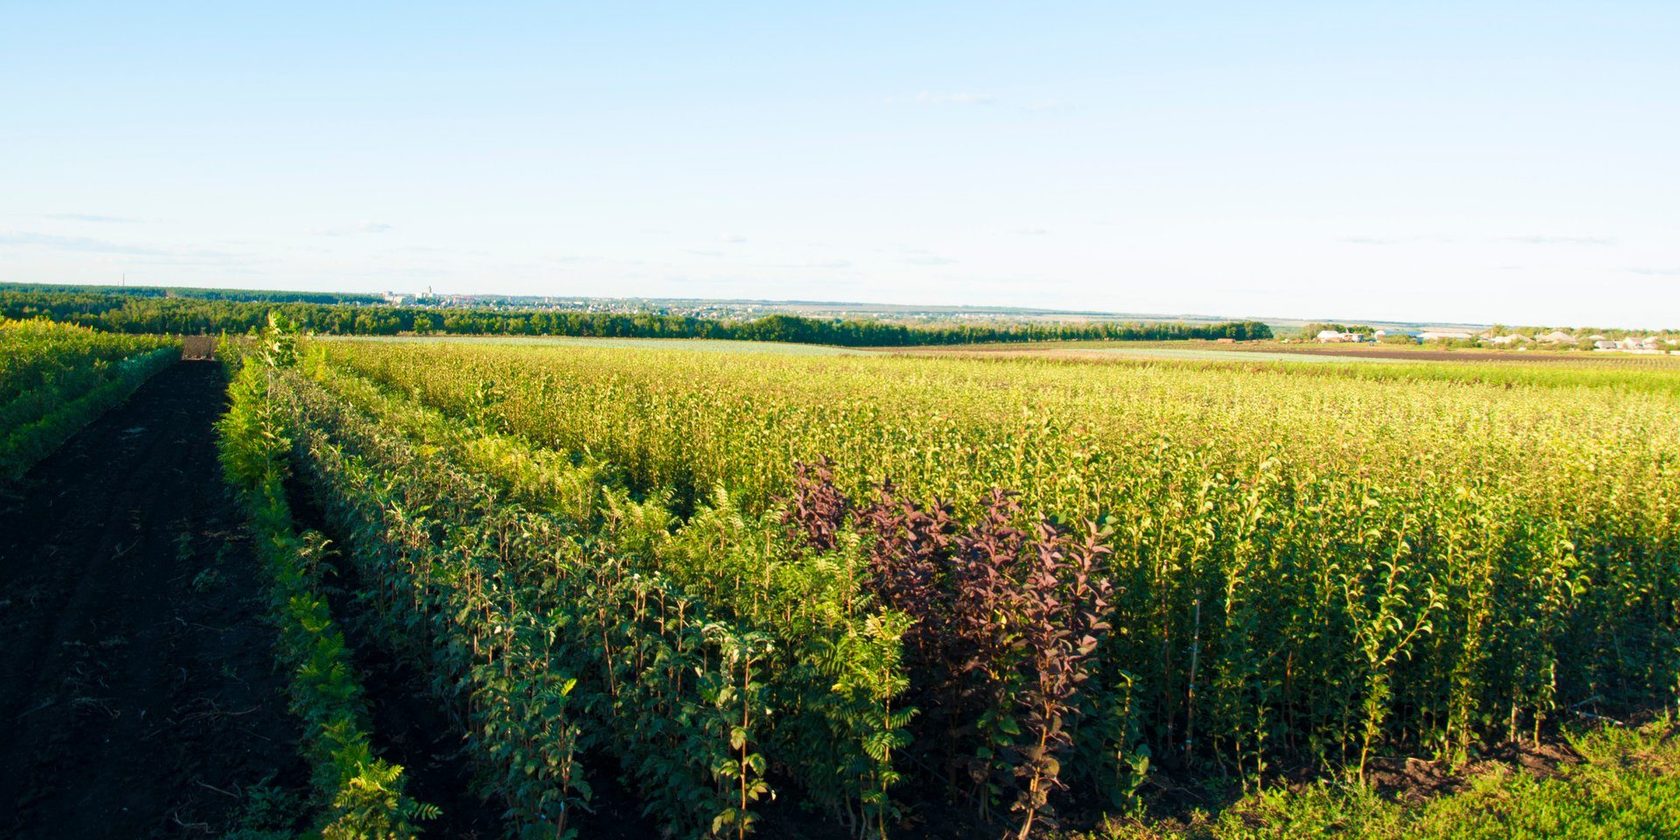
(1475, 161)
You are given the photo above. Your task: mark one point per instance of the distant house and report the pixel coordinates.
(1507, 340)
(1444, 335)
(1631, 344)
(1558, 337)
(1381, 334)
(1338, 337)
(1640, 344)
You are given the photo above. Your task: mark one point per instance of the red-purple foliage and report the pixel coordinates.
(817, 508)
(1005, 623)
(908, 557)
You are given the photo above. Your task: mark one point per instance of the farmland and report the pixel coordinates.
(587, 586)
(1016, 590)
(781, 421)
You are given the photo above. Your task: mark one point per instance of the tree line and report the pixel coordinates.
(146, 311)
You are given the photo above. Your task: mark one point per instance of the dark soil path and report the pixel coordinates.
(138, 690)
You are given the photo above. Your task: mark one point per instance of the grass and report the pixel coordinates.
(1626, 785)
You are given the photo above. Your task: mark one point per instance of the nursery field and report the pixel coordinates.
(877, 595)
(54, 378)
(609, 587)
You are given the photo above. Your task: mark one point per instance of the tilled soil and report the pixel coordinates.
(138, 690)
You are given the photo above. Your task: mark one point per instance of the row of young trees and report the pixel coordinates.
(723, 657)
(359, 795)
(1308, 570)
(1192, 577)
(121, 311)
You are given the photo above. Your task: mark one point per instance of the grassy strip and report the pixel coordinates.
(362, 794)
(28, 443)
(1626, 785)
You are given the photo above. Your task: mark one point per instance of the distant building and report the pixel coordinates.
(1338, 337)
(1558, 337)
(1444, 335)
(1637, 344)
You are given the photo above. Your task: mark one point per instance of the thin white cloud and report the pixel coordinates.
(1051, 104)
(908, 255)
(1365, 240)
(930, 97)
(90, 217)
(958, 98)
(826, 264)
(1391, 240)
(1524, 239)
(1545, 239)
(89, 245)
(1656, 272)
(355, 229)
(732, 238)
(78, 244)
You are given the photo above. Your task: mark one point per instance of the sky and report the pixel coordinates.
(1483, 162)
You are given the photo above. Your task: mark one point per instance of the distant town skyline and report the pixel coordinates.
(1483, 162)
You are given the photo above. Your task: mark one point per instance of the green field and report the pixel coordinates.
(1098, 591)
(1196, 570)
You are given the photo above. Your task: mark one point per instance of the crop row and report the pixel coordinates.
(360, 795)
(1295, 570)
(826, 698)
(560, 616)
